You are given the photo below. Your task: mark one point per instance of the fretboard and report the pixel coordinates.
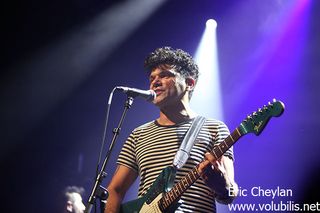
(179, 188)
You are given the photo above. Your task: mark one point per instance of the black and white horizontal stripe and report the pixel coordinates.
(152, 147)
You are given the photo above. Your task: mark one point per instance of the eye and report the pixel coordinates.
(151, 78)
(166, 74)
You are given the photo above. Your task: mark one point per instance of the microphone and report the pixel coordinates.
(148, 95)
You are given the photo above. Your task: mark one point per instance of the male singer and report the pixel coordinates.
(151, 147)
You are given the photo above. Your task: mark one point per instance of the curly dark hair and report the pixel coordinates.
(181, 60)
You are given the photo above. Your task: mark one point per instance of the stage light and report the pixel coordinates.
(211, 23)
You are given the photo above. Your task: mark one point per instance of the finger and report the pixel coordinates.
(220, 167)
(202, 166)
(218, 163)
(210, 157)
(216, 166)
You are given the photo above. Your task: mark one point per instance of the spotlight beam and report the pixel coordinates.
(207, 98)
(49, 76)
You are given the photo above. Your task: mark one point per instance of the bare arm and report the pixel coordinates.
(120, 183)
(220, 178)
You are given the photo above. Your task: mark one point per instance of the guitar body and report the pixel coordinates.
(148, 202)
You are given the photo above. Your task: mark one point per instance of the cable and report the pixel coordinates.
(105, 129)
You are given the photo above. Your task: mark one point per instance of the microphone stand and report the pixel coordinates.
(98, 190)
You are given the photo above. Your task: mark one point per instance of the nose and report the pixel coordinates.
(155, 83)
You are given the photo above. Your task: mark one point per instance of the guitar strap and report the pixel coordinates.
(183, 153)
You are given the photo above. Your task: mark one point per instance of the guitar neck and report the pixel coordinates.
(179, 188)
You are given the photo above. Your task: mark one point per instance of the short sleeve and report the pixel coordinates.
(127, 155)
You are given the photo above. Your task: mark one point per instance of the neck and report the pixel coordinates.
(173, 114)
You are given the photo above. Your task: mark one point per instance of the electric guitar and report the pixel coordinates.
(163, 195)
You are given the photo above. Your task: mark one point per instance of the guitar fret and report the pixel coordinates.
(189, 179)
(231, 138)
(225, 143)
(194, 172)
(229, 142)
(238, 131)
(176, 190)
(180, 187)
(185, 182)
(175, 194)
(214, 153)
(163, 202)
(167, 198)
(218, 152)
(220, 149)
(237, 134)
(172, 197)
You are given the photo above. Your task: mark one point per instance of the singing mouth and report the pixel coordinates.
(158, 92)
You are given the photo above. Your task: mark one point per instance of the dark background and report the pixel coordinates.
(61, 59)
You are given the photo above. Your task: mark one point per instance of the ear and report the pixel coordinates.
(69, 206)
(190, 83)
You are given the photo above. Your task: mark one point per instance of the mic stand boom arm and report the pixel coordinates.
(96, 190)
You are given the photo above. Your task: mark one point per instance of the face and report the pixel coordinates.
(75, 204)
(169, 85)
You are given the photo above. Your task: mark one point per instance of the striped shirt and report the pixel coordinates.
(152, 147)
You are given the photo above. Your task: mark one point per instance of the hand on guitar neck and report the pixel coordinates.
(219, 175)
